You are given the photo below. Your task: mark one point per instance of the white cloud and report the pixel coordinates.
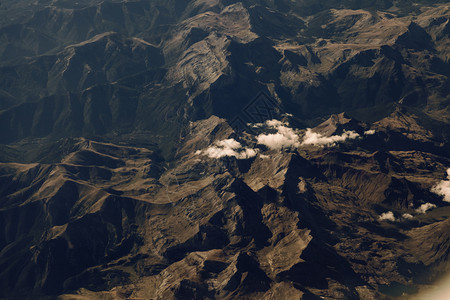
(255, 125)
(274, 123)
(388, 216)
(369, 132)
(316, 139)
(230, 143)
(276, 141)
(407, 216)
(229, 147)
(439, 291)
(285, 137)
(443, 188)
(425, 207)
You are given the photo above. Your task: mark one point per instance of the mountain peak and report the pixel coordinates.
(337, 124)
(167, 149)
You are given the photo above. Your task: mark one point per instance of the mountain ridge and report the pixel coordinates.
(221, 149)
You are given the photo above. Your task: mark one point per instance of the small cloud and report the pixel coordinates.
(443, 188)
(285, 137)
(274, 123)
(229, 147)
(255, 125)
(369, 132)
(276, 141)
(230, 143)
(317, 139)
(425, 207)
(248, 153)
(407, 216)
(387, 216)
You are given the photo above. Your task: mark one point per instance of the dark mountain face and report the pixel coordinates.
(198, 149)
(217, 56)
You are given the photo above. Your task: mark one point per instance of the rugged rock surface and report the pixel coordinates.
(99, 67)
(121, 222)
(139, 158)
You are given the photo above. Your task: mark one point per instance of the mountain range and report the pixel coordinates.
(219, 149)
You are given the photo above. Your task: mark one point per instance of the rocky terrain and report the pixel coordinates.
(216, 149)
(101, 67)
(326, 216)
